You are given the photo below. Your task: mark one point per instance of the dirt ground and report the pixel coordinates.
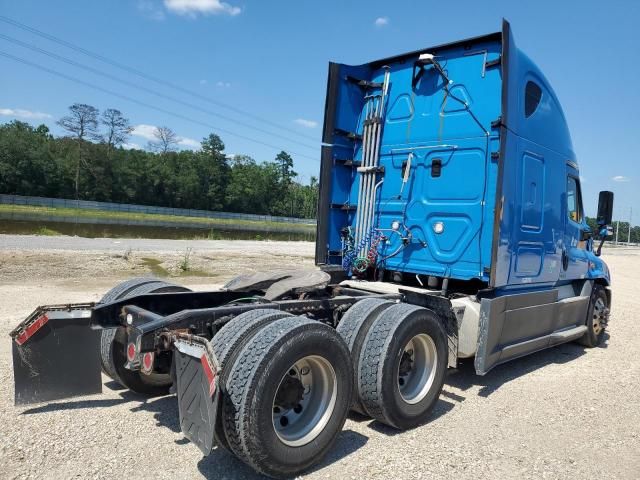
(568, 412)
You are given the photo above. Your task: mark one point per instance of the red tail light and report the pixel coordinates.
(147, 362)
(131, 352)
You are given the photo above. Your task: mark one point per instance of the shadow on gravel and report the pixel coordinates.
(442, 407)
(113, 385)
(126, 396)
(465, 376)
(165, 410)
(222, 464)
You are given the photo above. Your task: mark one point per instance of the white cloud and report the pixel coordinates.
(148, 132)
(144, 131)
(306, 123)
(21, 113)
(204, 7)
(189, 142)
(131, 146)
(620, 178)
(222, 84)
(381, 21)
(150, 10)
(203, 82)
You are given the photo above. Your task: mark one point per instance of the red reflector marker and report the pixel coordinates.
(210, 373)
(147, 361)
(131, 352)
(28, 332)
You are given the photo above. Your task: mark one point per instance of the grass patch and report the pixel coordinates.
(102, 214)
(185, 263)
(155, 266)
(48, 232)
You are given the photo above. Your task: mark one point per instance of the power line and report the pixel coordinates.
(143, 88)
(142, 74)
(146, 105)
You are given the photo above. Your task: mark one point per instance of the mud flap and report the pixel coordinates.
(196, 370)
(56, 355)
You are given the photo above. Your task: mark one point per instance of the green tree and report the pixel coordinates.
(33, 162)
(117, 127)
(82, 124)
(285, 162)
(214, 172)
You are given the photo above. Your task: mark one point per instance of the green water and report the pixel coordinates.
(93, 230)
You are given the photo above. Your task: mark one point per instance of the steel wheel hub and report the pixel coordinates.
(304, 401)
(417, 369)
(599, 316)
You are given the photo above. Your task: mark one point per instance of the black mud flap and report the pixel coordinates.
(197, 389)
(56, 355)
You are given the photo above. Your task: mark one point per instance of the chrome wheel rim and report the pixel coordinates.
(417, 368)
(599, 320)
(304, 401)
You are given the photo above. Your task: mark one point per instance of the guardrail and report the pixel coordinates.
(126, 207)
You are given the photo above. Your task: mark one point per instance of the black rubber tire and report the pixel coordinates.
(120, 290)
(252, 385)
(353, 328)
(590, 339)
(112, 340)
(229, 341)
(380, 359)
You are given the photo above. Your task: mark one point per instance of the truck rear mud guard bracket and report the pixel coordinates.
(197, 388)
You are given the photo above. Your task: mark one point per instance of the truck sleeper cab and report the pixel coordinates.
(450, 225)
(475, 183)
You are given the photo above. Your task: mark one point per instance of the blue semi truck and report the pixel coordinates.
(450, 225)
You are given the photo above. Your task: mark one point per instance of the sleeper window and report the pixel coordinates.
(532, 96)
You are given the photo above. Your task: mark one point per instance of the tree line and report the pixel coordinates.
(623, 230)
(92, 163)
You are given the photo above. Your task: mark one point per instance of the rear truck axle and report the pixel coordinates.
(271, 381)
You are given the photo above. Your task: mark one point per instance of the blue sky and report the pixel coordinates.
(269, 59)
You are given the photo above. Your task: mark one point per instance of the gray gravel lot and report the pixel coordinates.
(567, 412)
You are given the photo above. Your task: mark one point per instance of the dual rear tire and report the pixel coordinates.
(288, 382)
(399, 355)
(286, 388)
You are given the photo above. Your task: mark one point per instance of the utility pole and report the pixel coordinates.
(617, 229)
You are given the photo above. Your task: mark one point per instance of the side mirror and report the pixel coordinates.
(605, 208)
(605, 218)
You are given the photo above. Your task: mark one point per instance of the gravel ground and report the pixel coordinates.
(105, 260)
(567, 412)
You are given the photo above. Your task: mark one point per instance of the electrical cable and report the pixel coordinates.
(144, 89)
(145, 75)
(147, 105)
